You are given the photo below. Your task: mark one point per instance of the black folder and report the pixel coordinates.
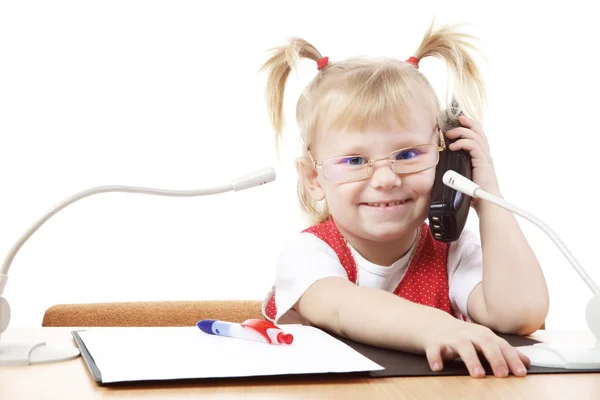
(398, 363)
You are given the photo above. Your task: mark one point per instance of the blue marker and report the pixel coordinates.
(257, 330)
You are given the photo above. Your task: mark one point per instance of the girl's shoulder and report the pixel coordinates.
(304, 244)
(468, 239)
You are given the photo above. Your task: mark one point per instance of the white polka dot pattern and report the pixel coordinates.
(425, 281)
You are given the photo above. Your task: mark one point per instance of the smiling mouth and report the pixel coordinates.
(388, 204)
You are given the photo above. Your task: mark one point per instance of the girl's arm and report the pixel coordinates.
(382, 319)
(512, 297)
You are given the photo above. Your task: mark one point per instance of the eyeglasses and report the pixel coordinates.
(405, 161)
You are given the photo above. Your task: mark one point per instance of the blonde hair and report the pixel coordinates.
(357, 92)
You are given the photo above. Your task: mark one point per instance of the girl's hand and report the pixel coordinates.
(464, 340)
(472, 139)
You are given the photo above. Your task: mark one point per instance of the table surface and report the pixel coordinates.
(71, 379)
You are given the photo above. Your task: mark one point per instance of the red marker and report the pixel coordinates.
(258, 330)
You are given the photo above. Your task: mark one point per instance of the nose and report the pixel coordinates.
(383, 177)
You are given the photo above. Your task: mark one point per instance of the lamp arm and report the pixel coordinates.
(87, 193)
(250, 180)
(543, 226)
(458, 182)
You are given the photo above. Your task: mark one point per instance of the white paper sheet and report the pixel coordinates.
(136, 354)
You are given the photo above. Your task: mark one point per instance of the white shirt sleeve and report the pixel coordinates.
(304, 260)
(465, 270)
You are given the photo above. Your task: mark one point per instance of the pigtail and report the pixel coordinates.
(278, 68)
(466, 85)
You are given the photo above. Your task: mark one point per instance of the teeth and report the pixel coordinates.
(396, 203)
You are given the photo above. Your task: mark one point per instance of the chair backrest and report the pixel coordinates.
(154, 313)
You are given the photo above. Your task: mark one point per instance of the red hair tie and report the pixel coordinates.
(322, 62)
(414, 61)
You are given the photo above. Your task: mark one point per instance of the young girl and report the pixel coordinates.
(369, 268)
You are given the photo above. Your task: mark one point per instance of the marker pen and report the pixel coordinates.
(252, 329)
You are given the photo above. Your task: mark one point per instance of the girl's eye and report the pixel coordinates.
(407, 154)
(353, 160)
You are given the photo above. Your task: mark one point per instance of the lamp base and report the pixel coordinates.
(545, 355)
(15, 353)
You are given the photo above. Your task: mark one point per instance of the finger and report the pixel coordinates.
(448, 353)
(434, 357)
(524, 359)
(469, 356)
(472, 147)
(466, 133)
(513, 360)
(494, 355)
(471, 124)
(475, 127)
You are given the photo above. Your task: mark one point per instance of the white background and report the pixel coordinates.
(167, 94)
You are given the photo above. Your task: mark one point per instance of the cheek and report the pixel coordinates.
(421, 183)
(341, 194)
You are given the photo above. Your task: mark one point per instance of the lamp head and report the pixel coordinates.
(4, 314)
(256, 178)
(592, 315)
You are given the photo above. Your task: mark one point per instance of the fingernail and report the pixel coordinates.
(479, 371)
(503, 371)
(521, 371)
(435, 366)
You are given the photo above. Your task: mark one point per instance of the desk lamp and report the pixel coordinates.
(20, 353)
(542, 354)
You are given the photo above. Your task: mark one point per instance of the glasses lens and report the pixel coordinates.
(346, 169)
(414, 159)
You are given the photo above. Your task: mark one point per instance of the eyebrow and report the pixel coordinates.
(400, 144)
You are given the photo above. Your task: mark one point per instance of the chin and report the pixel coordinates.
(387, 232)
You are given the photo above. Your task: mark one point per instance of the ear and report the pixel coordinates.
(309, 176)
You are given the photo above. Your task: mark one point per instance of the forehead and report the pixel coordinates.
(384, 95)
(376, 139)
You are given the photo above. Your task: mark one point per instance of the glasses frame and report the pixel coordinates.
(371, 162)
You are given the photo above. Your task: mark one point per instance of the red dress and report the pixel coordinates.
(425, 281)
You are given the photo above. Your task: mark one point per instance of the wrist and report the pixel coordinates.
(445, 323)
(481, 204)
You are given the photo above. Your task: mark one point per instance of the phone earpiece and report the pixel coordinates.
(449, 209)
